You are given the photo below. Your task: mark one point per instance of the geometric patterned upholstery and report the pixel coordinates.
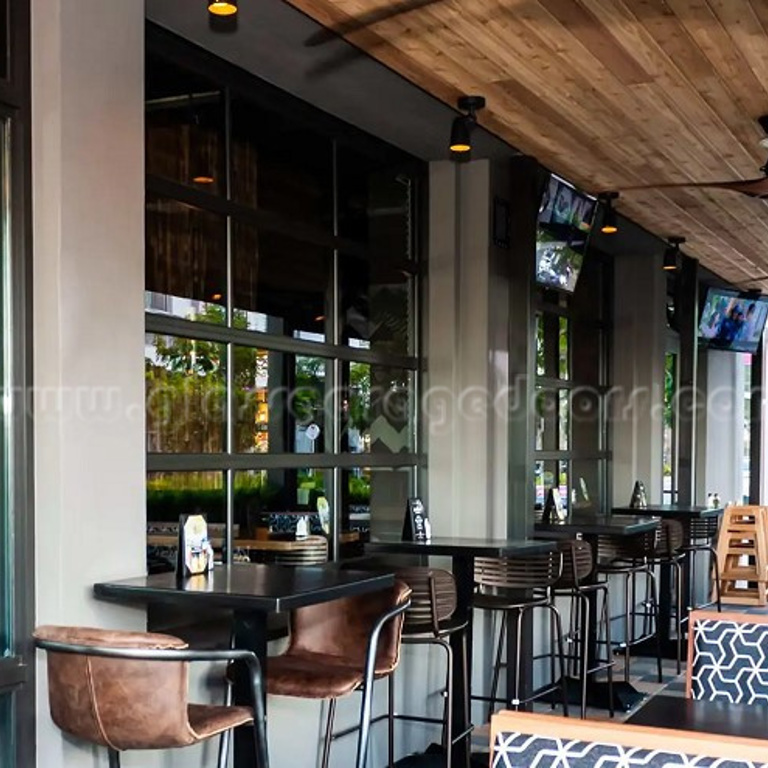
(522, 750)
(526, 740)
(728, 658)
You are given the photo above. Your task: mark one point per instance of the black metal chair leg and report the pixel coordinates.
(584, 613)
(497, 665)
(627, 633)
(561, 654)
(657, 634)
(328, 733)
(114, 758)
(716, 569)
(391, 720)
(448, 719)
(609, 647)
(679, 616)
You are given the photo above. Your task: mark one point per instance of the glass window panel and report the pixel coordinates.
(186, 261)
(547, 420)
(549, 358)
(186, 395)
(564, 485)
(273, 500)
(587, 484)
(586, 419)
(281, 285)
(541, 368)
(171, 494)
(377, 305)
(377, 409)
(376, 204)
(564, 419)
(279, 402)
(587, 351)
(281, 166)
(375, 498)
(546, 476)
(184, 127)
(564, 350)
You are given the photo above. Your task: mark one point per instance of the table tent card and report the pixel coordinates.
(416, 526)
(195, 551)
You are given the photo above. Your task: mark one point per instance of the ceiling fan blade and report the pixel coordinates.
(355, 24)
(751, 187)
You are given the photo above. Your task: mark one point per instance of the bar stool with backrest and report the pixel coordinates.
(668, 553)
(513, 587)
(627, 557)
(577, 585)
(701, 537)
(128, 691)
(429, 621)
(326, 654)
(310, 551)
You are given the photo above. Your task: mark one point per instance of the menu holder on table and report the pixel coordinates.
(195, 553)
(554, 511)
(416, 526)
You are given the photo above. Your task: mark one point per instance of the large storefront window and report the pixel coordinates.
(281, 354)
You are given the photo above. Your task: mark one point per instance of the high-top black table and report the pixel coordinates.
(590, 526)
(684, 513)
(462, 551)
(251, 592)
(721, 717)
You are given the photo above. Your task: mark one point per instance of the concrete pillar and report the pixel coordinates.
(637, 399)
(88, 209)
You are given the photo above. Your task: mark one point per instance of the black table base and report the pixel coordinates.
(625, 695)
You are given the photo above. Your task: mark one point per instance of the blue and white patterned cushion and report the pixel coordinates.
(730, 661)
(522, 750)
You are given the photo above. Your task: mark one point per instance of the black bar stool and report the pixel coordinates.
(513, 587)
(577, 585)
(627, 557)
(701, 537)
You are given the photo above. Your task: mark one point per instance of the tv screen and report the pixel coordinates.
(733, 321)
(565, 220)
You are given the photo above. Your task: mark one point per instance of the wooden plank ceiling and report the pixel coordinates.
(609, 94)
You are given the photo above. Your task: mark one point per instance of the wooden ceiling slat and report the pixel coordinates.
(608, 93)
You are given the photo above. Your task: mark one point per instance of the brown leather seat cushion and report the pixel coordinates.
(312, 676)
(208, 720)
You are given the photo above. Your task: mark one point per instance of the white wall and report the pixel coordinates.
(88, 186)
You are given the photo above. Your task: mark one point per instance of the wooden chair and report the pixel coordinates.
(521, 739)
(727, 657)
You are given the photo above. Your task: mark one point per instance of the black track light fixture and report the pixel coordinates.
(672, 253)
(222, 7)
(609, 226)
(463, 125)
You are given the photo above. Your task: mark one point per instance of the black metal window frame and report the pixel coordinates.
(17, 671)
(161, 44)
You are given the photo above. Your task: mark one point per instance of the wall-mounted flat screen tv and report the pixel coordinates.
(733, 321)
(565, 221)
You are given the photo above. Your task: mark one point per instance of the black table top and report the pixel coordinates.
(721, 717)
(458, 546)
(267, 588)
(600, 525)
(673, 510)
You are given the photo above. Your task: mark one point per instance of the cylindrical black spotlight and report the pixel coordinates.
(463, 125)
(609, 226)
(672, 253)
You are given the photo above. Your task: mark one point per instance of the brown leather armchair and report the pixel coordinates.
(128, 690)
(326, 656)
